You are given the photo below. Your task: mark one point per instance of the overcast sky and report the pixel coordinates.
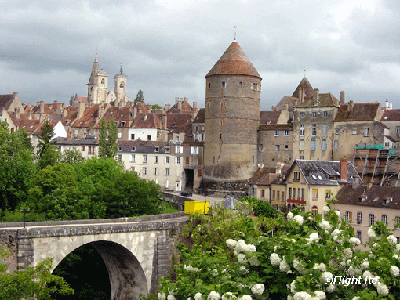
(166, 47)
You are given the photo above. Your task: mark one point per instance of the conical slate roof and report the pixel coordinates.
(233, 62)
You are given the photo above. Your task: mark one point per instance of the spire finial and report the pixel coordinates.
(304, 73)
(95, 58)
(121, 69)
(234, 34)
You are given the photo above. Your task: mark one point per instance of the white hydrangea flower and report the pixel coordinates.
(253, 261)
(397, 247)
(331, 288)
(320, 266)
(326, 277)
(313, 237)
(240, 246)
(228, 296)
(320, 294)
(325, 225)
(371, 233)
(382, 289)
(290, 215)
(171, 297)
(367, 274)
(257, 289)
(243, 270)
(246, 297)
(301, 296)
(231, 243)
(375, 281)
(250, 248)
(348, 252)
(353, 271)
(395, 256)
(198, 296)
(392, 240)
(275, 248)
(337, 212)
(356, 298)
(191, 269)
(355, 241)
(284, 266)
(275, 259)
(293, 286)
(299, 219)
(242, 258)
(336, 232)
(161, 296)
(215, 272)
(394, 270)
(325, 209)
(213, 296)
(365, 264)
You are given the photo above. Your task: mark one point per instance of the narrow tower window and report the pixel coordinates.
(223, 84)
(240, 84)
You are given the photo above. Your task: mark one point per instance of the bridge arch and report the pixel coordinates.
(126, 275)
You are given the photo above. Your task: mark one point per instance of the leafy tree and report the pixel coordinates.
(32, 283)
(16, 168)
(156, 106)
(108, 145)
(71, 156)
(260, 208)
(47, 151)
(139, 97)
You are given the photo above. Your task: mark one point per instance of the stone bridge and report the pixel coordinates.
(135, 251)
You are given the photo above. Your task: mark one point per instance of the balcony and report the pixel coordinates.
(297, 200)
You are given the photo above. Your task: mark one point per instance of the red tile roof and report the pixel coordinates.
(146, 121)
(263, 176)
(88, 119)
(201, 116)
(234, 62)
(6, 100)
(269, 117)
(357, 112)
(391, 115)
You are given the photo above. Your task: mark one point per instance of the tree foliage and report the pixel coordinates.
(47, 152)
(156, 106)
(260, 208)
(108, 145)
(139, 97)
(32, 283)
(16, 168)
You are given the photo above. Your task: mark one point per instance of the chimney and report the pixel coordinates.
(316, 94)
(176, 100)
(167, 107)
(343, 170)
(351, 105)
(81, 109)
(134, 112)
(342, 101)
(29, 114)
(41, 104)
(180, 106)
(58, 107)
(165, 121)
(301, 95)
(65, 113)
(194, 105)
(17, 113)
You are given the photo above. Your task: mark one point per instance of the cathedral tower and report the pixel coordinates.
(232, 117)
(97, 86)
(120, 85)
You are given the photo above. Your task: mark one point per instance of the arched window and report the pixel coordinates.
(102, 81)
(121, 85)
(314, 210)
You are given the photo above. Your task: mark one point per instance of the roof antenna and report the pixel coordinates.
(234, 34)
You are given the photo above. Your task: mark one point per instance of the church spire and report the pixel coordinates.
(95, 69)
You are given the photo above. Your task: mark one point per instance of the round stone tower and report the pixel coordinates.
(232, 117)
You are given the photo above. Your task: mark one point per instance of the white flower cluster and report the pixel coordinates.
(161, 296)
(213, 296)
(382, 289)
(325, 225)
(354, 241)
(313, 237)
(246, 297)
(198, 296)
(228, 296)
(191, 269)
(171, 297)
(320, 266)
(257, 289)
(394, 270)
(371, 233)
(275, 259)
(365, 264)
(231, 243)
(326, 277)
(392, 240)
(348, 252)
(284, 266)
(290, 215)
(299, 219)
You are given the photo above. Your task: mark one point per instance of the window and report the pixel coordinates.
(301, 129)
(155, 171)
(313, 145)
(262, 193)
(325, 114)
(347, 216)
(314, 210)
(133, 158)
(132, 136)
(144, 171)
(119, 148)
(371, 219)
(354, 131)
(166, 171)
(199, 173)
(102, 81)
(260, 147)
(328, 194)
(286, 132)
(296, 176)
(315, 194)
(240, 84)
(167, 159)
(149, 137)
(178, 160)
(133, 148)
(301, 145)
(273, 195)
(276, 147)
(324, 126)
(166, 149)
(187, 159)
(83, 147)
(276, 133)
(133, 169)
(278, 195)
(178, 149)
(313, 114)
(359, 235)
(294, 193)
(166, 183)
(145, 159)
(223, 84)
(384, 219)
(335, 144)
(156, 149)
(397, 129)
(366, 131)
(255, 86)
(337, 130)
(359, 217)
(194, 150)
(156, 160)
(313, 129)
(290, 193)
(302, 114)
(323, 145)
(396, 220)
(302, 194)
